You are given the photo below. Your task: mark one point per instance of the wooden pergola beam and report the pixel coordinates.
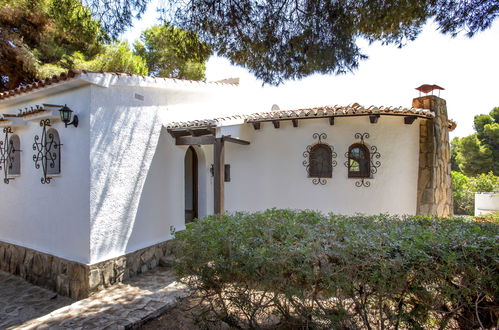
(331, 121)
(177, 133)
(219, 175)
(228, 138)
(194, 140)
(202, 131)
(295, 122)
(256, 125)
(276, 123)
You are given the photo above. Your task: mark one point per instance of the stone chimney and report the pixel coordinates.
(434, 175)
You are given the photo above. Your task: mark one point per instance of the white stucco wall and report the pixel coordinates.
(52, 218)
(486, 203)
(137, 178)
(269, 172)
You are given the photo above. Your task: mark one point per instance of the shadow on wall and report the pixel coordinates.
(162, 201)
(122, 145)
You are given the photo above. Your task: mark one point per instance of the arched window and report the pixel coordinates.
(320, 161)
(14, 159)
(358, 161)
(53, 152)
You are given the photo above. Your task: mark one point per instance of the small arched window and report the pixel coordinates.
(14, 159)
(358, 161)
(53, 152)
(320, 161)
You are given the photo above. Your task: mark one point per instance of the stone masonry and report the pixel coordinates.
(77, 280)
(434, 196)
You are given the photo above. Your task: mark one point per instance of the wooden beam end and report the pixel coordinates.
(409, 120)
(373, 119)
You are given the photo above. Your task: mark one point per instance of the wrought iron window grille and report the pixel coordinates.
(374, 162)
(319, 168)
(8, 154)
(48, 151)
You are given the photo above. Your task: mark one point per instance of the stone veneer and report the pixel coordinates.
(434, 196)
(77, 280)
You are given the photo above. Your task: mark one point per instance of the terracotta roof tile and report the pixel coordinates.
(317, 112)
(39, 84)
(71, 74)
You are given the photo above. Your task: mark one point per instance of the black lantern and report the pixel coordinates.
(66, 114)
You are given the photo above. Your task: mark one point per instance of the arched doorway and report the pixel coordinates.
(191, 184)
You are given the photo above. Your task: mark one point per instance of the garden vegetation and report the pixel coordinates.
(304, 269)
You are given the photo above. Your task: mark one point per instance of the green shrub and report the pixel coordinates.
(303, 269)
(464, 189)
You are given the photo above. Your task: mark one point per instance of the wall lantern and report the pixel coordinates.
(66, 114)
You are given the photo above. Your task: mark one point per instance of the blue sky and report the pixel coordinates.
(468, 69)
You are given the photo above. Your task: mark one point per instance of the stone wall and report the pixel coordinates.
(66, 277)
(109, 272)
(76, 280)
(434, 178)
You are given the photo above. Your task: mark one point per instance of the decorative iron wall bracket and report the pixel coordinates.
(48, 151)
(7, 154)
(329, 162)
(374, 162)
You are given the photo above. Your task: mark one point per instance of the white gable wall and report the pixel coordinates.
(51, 218)
(270, 173)
(137, 178)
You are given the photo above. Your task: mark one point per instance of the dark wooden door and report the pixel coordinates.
(191, 184)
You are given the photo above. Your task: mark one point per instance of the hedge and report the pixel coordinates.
(303, 269)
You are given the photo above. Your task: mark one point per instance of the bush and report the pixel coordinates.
(464, 189)
(303, 269)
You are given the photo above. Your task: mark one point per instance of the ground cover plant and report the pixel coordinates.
(303, 269)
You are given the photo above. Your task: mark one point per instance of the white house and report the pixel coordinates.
(87, 206)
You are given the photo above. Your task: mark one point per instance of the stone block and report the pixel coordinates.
(147, 255)
(94, 279)
(62, 285)
(428, 196)
(167, 261)
(108, 273)
(75, 290)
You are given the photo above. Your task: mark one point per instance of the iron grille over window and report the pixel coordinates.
(320, 157)
(14, 156)
(47, 149)
(319, 160)
(10, 160)
(358, 161)
(362, 161)
(54, 160)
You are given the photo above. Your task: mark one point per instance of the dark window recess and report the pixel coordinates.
(227, 173)
(53, 152)
(358, 161)
(320, 161)
(14, 155)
